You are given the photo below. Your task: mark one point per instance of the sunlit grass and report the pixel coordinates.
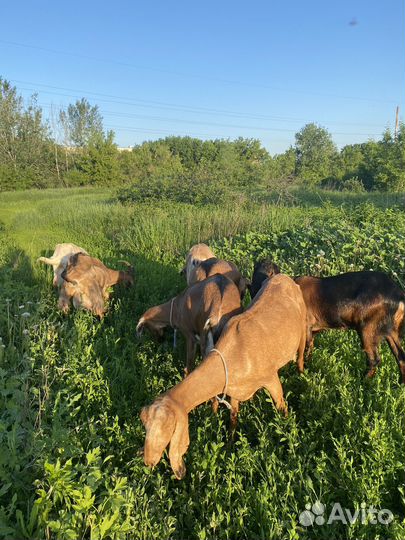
(71, 387)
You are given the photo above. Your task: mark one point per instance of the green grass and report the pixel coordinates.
(72, 387)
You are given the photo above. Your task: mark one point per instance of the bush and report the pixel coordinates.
(353, 184)
(182, 189)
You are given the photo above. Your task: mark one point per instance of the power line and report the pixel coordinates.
(232, 126)
(197, 110)
(171, 106)
(189, 75)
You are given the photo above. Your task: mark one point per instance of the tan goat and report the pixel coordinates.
(247, 357)
(60, 259)
(88, 282)
(201, 263)
(196, 254)
(200, 313)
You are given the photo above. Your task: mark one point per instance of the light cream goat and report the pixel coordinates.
(196, 254)
(60, 259)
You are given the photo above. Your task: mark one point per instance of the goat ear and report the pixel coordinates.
(139, 328)
(96, 298)
(179, 443)
(243, 284)
(144, 415)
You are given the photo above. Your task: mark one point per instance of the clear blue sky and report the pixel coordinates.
(213, 69)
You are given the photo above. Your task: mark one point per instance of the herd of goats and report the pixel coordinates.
(242, 350)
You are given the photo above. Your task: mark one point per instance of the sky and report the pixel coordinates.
(213, 69)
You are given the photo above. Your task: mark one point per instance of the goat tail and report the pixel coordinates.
(47, 260)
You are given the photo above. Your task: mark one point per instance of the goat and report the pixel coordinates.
(201, 263)
(369, 302)
(247, 357)
(263, 269)
(89, 281)
(200, 312)
(60, 259)
(196, 254)
(212, 266)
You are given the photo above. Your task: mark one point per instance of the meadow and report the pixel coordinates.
(72, 387)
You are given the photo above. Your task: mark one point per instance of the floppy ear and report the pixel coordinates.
(243, 284)
(139, 332)
(95, 295)
(198, 271)
(179, 443)
(159, 420)
(144, 415)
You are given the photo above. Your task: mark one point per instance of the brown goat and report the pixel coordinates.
(247, 357)
(88, 282)
(213, 266)
(369, 302)
(200, 313)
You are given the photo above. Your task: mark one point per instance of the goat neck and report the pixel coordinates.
(205, 382)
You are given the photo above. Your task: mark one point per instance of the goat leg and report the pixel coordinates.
(396, 349)
(233, 418)
(276, 392)
(191, 352)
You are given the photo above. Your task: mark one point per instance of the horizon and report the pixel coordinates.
(214, 71)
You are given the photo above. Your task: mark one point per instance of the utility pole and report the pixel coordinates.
(396, 121)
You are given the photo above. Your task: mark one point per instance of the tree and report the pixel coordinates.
(390, 162)
(99, 161)
(315, 154)
(81, 122)
(25, 147)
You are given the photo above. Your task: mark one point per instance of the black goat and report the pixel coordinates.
(369, 302)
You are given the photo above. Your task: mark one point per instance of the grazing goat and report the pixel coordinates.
(262, 270)
(247, 357)
(196, 254)
(88, 282)
(212, 266)
(201, 263)
(368, 302)
(200, 313)
(60, 259)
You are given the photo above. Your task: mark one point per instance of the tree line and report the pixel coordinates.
(72, 148)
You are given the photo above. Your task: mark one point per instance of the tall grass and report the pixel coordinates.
(71, 387)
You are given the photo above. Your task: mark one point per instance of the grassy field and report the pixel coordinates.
(72, 387)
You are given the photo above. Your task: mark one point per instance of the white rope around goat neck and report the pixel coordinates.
(222, 399)
(171, 324)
